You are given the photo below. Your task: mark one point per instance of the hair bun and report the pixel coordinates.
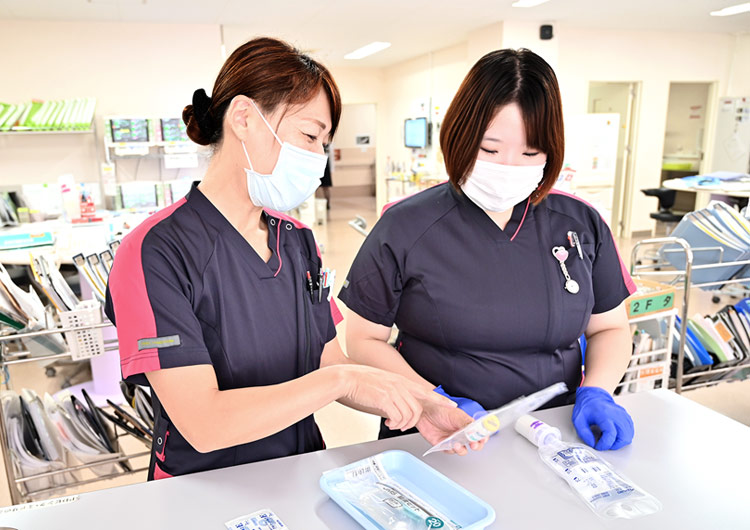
(198, 119)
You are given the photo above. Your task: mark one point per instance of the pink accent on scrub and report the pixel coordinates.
(133, 312)
(629, 283)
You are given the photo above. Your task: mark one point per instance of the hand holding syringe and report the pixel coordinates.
(496, 420)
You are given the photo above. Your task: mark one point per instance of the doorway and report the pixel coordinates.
(685, 136)
(352, 152)
(619, 98)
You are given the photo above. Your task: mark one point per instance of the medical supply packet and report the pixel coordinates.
(396, 491)
(497, 419)
(391, 505)
(608, 493)
(261, 520)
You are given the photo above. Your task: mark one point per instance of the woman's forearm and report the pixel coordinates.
(212, 419)
(608, 353)
(379, 354)
(333, 355)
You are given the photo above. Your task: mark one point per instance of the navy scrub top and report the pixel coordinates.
(186, 289)
(485, 316)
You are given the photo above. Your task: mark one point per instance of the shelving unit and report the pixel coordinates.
(32, 133)
(8, 358)
(683, 279)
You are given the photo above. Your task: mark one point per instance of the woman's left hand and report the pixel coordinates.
(595, 406)
(437, 423)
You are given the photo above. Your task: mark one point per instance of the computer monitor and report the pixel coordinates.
(129, 130)
(173, 130)
(138, 195)
(416, 133)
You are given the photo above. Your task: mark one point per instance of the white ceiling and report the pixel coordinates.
(334, 27)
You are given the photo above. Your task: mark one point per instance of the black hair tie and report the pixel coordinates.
(202, 112)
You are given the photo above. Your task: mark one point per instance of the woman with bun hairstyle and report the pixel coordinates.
(217, 299)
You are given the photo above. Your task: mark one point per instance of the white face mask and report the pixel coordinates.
(496, 188)
(294, 178)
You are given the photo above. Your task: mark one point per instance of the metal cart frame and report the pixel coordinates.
(8, 358)
(683, 279)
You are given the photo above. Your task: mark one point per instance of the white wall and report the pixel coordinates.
(359, 85)
(739, 74)
(483, 40)
(654, 58)
(434, 78)
(686, 118)
(357, 119)
(579, 56)
(143, 69)
(523, 34)
(356, 163)
(154, 68)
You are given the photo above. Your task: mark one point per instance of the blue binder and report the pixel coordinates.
(698, 354)
(700, 233)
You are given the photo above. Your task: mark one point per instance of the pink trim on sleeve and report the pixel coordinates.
(134, 315)
(626, 278)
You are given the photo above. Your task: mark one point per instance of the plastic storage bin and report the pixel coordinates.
(461, 506)
(87, 343)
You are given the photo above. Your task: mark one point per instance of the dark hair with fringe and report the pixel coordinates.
(497, 79)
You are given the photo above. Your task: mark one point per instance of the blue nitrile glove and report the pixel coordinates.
(595, 406)
(469, 406)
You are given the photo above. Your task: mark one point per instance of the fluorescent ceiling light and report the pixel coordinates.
(364, 51)
(732, 10)
(528, 3)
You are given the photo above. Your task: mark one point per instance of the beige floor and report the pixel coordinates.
(343, 426)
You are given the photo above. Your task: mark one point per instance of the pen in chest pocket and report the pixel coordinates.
(575, 243)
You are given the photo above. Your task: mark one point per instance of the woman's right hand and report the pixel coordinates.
(393, 396)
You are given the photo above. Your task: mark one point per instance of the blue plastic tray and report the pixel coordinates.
(443, 494)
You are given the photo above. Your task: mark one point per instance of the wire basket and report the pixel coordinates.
(86, 343)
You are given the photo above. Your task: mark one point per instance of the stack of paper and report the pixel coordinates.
(716, 341)
(24, 311)
(76, 437)
(33, 441)
(53, 434)
(643, 342)
(52, 283)
(716, 234)
(91, 425)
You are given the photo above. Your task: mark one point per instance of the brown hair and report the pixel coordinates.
(497, 79)
(270, 72)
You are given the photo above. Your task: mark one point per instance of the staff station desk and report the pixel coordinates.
(692, 459)
(703, 193)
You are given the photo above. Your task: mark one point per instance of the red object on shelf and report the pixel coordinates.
(88, 209)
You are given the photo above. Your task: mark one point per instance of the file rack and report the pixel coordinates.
(8, 358)
(652, 366)
(682, 279)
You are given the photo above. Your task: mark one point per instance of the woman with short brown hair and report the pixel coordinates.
(492, 277)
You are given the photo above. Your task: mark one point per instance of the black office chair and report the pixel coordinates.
(666, 201)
